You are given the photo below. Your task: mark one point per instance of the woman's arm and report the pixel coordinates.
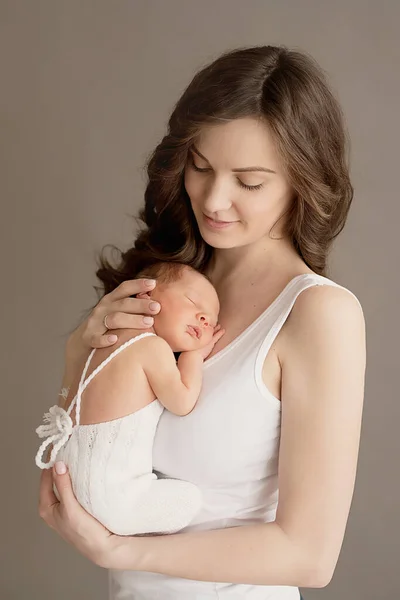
(254, 554)
(322, 398)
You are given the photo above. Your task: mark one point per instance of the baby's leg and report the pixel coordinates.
(110, 466)
(166, 506)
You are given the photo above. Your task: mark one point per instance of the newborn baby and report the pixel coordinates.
(110, 462)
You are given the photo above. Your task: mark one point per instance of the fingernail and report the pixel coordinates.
(112, 338)
(61, 469)
(154, 306)
(148, 320)
(149, 282)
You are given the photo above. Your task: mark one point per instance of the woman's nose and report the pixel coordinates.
(216, 199)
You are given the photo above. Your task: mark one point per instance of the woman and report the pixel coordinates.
(250, 185)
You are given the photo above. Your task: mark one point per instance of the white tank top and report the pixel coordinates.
(230, 442)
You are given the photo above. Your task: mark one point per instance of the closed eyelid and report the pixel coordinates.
(202, 308)
(243, 185)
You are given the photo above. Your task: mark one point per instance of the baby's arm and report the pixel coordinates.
(176, 386)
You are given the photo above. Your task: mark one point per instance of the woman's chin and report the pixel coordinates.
(216, 240)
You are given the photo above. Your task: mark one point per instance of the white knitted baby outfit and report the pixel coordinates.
(110, 465)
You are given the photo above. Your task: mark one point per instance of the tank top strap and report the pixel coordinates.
(84, 383)
(284, 305)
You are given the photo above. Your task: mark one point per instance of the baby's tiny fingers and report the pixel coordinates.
(217, 336)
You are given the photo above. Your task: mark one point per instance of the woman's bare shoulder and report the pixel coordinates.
(322, 310)
(324, 298)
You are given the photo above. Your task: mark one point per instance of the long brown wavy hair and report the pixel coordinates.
(287, 89)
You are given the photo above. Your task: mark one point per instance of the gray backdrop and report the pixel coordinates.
(86, 89)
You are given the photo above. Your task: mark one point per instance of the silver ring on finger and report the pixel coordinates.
(105, 322)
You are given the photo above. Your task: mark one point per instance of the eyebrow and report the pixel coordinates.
(239, 170)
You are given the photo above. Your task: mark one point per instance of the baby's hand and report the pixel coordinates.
(218, 333)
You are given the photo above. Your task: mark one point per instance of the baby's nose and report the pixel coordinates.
(204, 320)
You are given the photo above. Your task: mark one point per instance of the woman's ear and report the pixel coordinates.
(144, 295)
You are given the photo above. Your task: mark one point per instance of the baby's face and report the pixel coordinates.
(189, 311)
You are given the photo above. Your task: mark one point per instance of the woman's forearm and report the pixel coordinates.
(255, 554)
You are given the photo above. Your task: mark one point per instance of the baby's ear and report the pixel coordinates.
(144, 295)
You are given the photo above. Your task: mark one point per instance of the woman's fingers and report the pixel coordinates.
(134, 306)
(144, 295)
(125, 313)
(121, 312)
(47, 497)
(63, 484)
(131, 287)
(121, 321)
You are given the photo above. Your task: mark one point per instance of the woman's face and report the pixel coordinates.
(236, 185)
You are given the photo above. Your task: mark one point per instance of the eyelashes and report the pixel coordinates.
(250, 188)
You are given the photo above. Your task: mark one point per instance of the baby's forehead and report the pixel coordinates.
(197, 283)
(190, 276)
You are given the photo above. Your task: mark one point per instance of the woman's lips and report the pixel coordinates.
(217, 224)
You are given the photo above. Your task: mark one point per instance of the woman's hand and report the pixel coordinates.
(122, 312)
(71, 521)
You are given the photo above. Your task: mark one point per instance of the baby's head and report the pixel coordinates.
(189, 305)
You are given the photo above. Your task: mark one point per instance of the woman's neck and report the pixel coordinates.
(266, 259)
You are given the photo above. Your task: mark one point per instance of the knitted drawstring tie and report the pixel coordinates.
(57, 423)
(57, 429)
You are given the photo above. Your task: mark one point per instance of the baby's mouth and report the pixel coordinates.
(195, 331)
